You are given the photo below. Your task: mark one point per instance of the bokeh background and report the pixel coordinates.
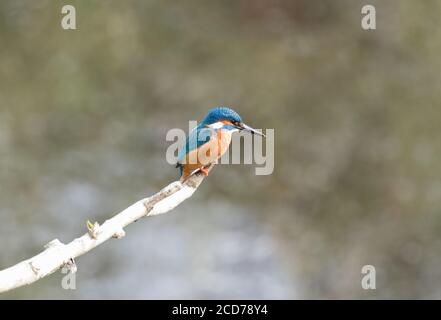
(356, 114)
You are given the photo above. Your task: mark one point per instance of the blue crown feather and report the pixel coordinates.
(222, 113)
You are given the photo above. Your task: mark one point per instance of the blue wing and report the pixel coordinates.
(197, 137)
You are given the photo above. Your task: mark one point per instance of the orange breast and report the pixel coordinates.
(208, 153)
(224, 140)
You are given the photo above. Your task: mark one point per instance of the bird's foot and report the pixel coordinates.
(204, 171)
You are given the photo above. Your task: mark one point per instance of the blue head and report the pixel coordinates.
(221, 114)
(217, 119)
(227, 119)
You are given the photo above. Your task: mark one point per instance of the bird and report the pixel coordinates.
(211, 138)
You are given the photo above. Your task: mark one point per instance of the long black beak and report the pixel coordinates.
(247, 128)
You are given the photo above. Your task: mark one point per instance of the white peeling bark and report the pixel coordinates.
(56, 255)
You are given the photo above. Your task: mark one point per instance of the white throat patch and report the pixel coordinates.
(216, 125)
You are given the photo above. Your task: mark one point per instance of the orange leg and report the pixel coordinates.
(204, 171)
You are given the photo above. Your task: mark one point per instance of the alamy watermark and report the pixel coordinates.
(256, 150)
(369, 17)
(69, 281)
(69, 20)
(368, 282)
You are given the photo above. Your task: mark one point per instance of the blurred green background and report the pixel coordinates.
(83, 119)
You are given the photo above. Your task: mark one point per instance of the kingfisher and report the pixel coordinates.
(209, 141)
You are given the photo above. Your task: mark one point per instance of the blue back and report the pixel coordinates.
(197, 137)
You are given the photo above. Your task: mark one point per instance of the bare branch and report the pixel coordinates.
(57, 255)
